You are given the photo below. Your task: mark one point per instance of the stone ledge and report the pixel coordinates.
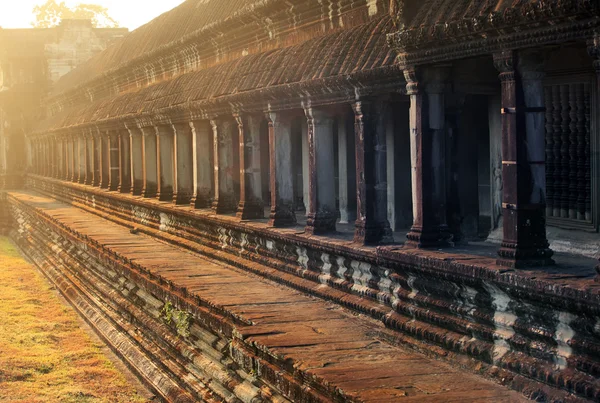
(88, 260)
(464, 312)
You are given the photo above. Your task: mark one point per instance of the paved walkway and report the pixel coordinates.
(320, 337)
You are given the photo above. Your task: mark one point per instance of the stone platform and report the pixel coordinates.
(251, 337)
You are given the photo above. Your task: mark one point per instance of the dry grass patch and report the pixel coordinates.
(45, 356)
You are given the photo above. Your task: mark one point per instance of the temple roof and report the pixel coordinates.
(338, 54)
(440, 22)
(190, 16)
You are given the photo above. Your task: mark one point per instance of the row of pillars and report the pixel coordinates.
(196, 164)
(172, 163)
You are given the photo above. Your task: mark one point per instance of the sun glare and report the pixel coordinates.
(128, 13)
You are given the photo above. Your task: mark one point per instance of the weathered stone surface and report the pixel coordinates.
(524, 326)
(310, 349)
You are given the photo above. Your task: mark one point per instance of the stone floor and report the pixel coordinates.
(318, 337)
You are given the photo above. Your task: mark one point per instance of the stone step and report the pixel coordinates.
(275, 332)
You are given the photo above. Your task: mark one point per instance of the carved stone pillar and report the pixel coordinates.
(89, 159)
(523, 167)
(124, 162)
(280, 164)
(427, 145)
(43, 155)
(150, 162)
(305, 167)
(51, 158)
(183, 166)
(224, 198)
(60, 157)
(72, 158)
(203, 169)
(593, 46)
(39, 153)
(136, 146)
(346, 170)
(112, 142)
(98, 165)
(82, 156)
(322, 215)
(165, 158)
(105, 160)
(251, 202)
(371, 226)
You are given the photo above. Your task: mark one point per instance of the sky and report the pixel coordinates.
(128, 13)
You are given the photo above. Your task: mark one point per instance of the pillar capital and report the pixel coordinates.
(593, 48)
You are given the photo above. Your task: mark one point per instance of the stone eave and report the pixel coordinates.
(319, 92)
(489, 42)
(201, 41)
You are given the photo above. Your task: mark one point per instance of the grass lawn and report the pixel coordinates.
(45, 354)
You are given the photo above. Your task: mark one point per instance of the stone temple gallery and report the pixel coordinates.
(333, 200)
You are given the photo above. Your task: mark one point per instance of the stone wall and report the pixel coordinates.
(522, 327)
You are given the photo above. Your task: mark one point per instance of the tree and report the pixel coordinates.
(51, 13)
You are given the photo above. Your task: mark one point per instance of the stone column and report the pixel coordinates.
(593, 46)
(64, 158)
(305, 168)
(43, 157)
(136, 146)
(203, 170)
(150, 162)
(183, 174)
(89, 151)
(60, 157)
(112, 141)
(73, 158)
(52, 149)
(224, 198)
(98, 165)
(280, 161)
(346, 171)
(427, 158)
(165, 150)
(523, 161)
(82, 157)
(372, 226)
(124, 163)
(322, 214)
(105, 161)
(40, 156)
(251, 203)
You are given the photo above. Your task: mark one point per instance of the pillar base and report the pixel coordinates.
(282, 216)
(88, 181)
(517, 257)
(224, 205)
(165, 195)
(249, 210)
(137, 188)
(181, 199)
(200, 201)
(422, 238)
(149, 192)
(104, 185)
(124, 188)
(320, 223)
(372, 233)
